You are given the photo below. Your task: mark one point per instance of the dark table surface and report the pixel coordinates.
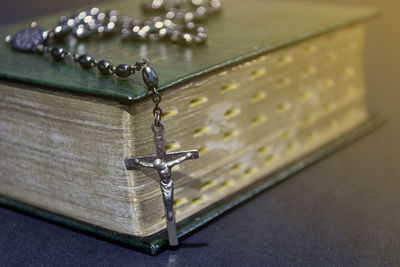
(344, 210)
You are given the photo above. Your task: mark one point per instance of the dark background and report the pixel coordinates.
(342, 211)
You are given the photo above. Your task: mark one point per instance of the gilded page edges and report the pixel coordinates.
(254, 118)
(129, 149)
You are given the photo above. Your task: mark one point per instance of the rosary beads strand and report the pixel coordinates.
(177, 25)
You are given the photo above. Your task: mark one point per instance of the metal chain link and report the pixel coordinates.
(157, 111)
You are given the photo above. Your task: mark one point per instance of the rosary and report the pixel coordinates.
(178, 25)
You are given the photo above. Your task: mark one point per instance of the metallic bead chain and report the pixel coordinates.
(178, 23)
(105, 67)
(174, 21)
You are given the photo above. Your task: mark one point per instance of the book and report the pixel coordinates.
(277, 86)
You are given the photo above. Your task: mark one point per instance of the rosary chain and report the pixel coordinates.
(172, 20)
(157, 111)
(177, 24)
(86, 61)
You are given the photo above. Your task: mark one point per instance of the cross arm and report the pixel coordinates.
(145, 161)
(178, 157)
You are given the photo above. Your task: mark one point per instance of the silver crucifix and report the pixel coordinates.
(163, 163)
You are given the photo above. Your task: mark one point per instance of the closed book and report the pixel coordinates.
(277, 86)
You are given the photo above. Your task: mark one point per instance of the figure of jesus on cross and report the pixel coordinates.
(163, 162)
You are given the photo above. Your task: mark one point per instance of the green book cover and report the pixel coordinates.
(243, 30)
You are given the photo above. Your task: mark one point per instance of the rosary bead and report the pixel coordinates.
(101, 16)
(201, 29)
(82, 15)
(109, 28)
(113, 13)
(61, 30)
(202, 35)
(81, 32)
(113, 19)
(85, 61)
(63, 19)
(93, 25)
(190, 26)
(157, 5)
(216, 4)
(34, 24)
(94, 11)
(150, 77)
(196, 2)
(179, 16)
(104, 67)
(189, 16)
(71, 23)
(141, 34)
(163, 33)
(145, 29)
(58, 53)
(170, 15)
(45, 34)
(8, 39)
(168, 23)
(186, 38)
(88, 19)
(136, 29)
(123, 70)
(200, 14)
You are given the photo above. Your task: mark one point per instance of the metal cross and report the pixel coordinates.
(163, 163)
